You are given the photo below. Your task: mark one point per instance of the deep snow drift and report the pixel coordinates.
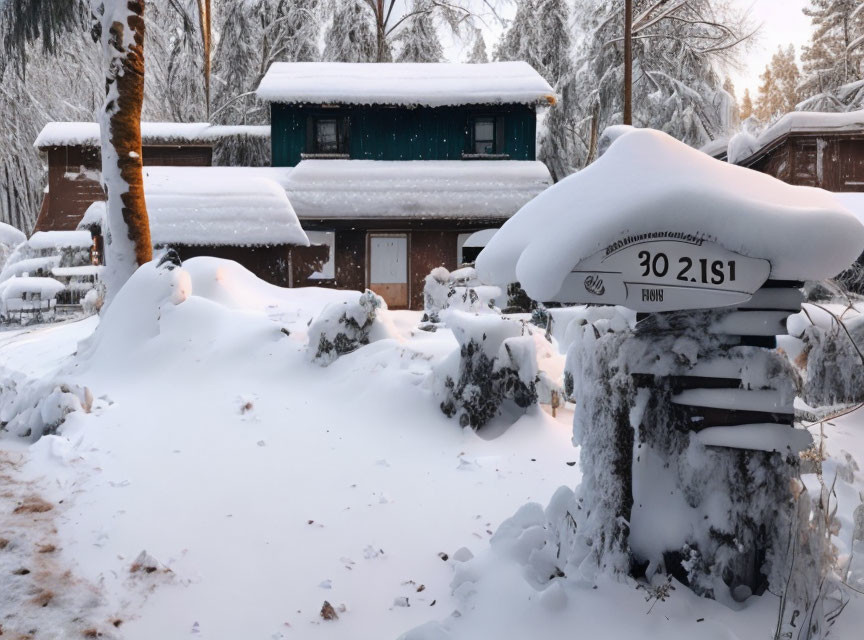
(266, 483)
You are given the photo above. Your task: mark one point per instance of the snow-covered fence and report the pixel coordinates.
(689, 451)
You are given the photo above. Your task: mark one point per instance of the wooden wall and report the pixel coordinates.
(73, 179)
(390, 133)
(834, 162)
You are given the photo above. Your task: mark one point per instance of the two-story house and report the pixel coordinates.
(395, 165)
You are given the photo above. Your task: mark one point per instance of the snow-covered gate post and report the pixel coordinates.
(689, 452)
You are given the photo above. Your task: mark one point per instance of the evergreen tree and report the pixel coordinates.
(418, 41)
(746, 108)
(778, 93)
(478, 53)
(351, 36)
(676, 51)
(834, 59)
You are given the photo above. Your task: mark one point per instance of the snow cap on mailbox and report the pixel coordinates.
(648, 189)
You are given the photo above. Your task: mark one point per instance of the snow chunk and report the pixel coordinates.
(50, 240)
(803, 232)
(405, 84)
(196, 206)
(10, 236)
(414, 188)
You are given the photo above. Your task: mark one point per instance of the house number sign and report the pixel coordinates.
(665, 271)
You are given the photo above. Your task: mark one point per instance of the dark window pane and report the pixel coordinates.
(326, 136)
(484, 135)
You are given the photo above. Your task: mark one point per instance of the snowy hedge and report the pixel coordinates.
(343, 328)
(458, 289)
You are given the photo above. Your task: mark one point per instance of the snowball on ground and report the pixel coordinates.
(199, 206)
(16, 287)
(649, 182)
(405, 84)
(44, 240)
(412, 189)
(10, 236)
(62, 134)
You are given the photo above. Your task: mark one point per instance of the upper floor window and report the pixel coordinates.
(484, 136)
(328, 135)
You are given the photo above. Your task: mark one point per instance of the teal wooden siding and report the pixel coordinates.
(422, 133)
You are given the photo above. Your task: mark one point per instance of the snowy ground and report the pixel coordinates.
(261, 485)
(266, 484)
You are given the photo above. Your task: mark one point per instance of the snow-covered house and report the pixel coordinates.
(395, 165)
(28, 299)
(807, 148)
(72, 150)
(238, 213)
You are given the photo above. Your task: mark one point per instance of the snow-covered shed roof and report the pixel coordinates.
(15, 287)
(10, 236)
(42, 240)
(28, 265)
(70, 134)
(405, 84)
(649, 182)
(82, 270)
(802, 122)
(218, 206)
(414, 188)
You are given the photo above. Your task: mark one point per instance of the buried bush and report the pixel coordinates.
(343, 328)
(458, 289)
(497, 369)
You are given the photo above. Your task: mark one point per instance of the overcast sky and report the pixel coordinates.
(782, 23)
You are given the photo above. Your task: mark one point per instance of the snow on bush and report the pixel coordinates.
(343, 328)
(35, 408)
(497, 368)
(458, 289)
(832, 360)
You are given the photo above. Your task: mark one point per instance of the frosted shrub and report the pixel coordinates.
(458, 289)
(33, 408)
(343, 328)
(834, 366)
(497, 368)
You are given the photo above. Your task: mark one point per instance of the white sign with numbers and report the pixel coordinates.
(665, 271)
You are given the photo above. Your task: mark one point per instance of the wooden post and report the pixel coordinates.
(628, 62)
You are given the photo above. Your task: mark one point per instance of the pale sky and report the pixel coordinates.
(782, 23)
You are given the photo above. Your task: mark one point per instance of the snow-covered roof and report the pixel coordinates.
(10, 236)
(60, 240)
(68, 134)
(15, 287)
(804, 122)
(234, 206)
(83, 270)
(414, 188)
(649, 182)
(716, 148)
(94, 217)
(28, 265)
(480, 238)
(405, 84)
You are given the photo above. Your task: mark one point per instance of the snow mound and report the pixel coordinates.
(10, 236)
(649, 182)
(405, 84)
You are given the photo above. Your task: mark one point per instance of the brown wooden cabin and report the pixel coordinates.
(824, 150)
(74, 163)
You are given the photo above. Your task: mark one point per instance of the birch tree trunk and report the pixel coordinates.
(127, 237)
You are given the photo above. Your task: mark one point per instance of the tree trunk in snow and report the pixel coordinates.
(128, 228)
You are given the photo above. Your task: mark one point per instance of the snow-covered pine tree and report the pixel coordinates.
(834, 59)
(478, 54)
(351, 36)
(237, 61)
(677, 50)
(418, 40)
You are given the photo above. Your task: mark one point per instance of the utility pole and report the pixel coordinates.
(628, 62)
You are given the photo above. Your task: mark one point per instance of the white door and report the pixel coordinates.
(388, 268)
